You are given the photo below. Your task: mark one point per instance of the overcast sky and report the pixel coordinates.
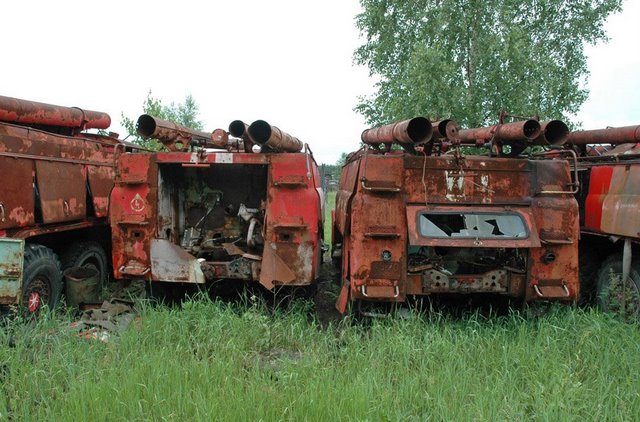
(284, 61)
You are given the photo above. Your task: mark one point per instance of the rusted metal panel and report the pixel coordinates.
(555, 263)
(100, 183)
(599, 182)
(348, 186)
(292, 232)
(169, 262)
(211, 157)
(16, 194)
(621, 205)
(31, 112)
(11, 261)
(446, 180)
(378, 230)
(62, 189)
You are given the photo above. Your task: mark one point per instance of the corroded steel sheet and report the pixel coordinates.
(100, 183)
(16, 194)
(62, 189)
(621, 205)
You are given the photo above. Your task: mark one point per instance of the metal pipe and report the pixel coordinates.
(169, 133)
(269, 136)
(15, 110)
(553, 132)
(614, 135)
(524, 130)
(445, 129)
(238, 128)
(408, 132)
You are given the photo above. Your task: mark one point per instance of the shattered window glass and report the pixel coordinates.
(472, 225)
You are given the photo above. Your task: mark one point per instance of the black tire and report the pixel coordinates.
(87, 254)
(41, 278)
(612, 295)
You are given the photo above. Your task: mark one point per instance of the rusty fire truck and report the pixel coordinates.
(54, 197)
(242, 205)
(609, 173)
(422, 222)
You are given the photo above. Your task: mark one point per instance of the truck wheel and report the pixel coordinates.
(613, 295)
(90, 255)
(42, 278)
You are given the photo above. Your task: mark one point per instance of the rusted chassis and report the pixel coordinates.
(401, 228)
(200, 217)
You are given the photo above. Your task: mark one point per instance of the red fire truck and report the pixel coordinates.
(425, 220)
(242, 205)
(54, 197)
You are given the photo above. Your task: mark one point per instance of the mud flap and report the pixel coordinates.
(343, 298)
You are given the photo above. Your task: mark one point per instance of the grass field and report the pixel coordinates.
(329, 204)
(208, 360)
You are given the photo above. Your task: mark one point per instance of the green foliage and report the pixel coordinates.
(210, 361)
(470, 59)
(342, 160)
(332, 171)
(185, 114)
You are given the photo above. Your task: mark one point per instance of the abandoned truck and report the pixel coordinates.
(54, 198)
(609, 173)
(422, 222)
(242, 205)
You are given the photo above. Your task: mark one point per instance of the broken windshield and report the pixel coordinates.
(472, 225)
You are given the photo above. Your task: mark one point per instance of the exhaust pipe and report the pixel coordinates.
(169, 133)
(273, 138)
(15, 110)
(407, 132)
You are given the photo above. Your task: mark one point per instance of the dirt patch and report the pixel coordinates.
(326, 295)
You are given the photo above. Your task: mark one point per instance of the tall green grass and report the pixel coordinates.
(329, 204)
(215, 361)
